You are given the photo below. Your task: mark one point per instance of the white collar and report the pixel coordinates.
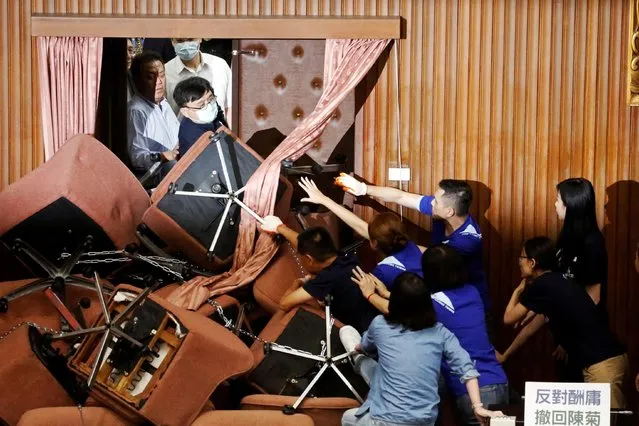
(182, 66)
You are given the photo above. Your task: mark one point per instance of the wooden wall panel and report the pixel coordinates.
(514, 96)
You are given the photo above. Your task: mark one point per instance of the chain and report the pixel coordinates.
(228, 323)
(94, 253)
(29, 323)
(152, 260)
(65, 255)
(167, 260)
(298, 261)
(108, 260)
(162, 267)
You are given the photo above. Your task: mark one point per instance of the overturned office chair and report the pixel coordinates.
(196, 208)
(83, 198)
(284, 377)
(154, 370)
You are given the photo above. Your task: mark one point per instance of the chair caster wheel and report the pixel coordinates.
(16, 247)
(4, 305)
(88, 243)
(131, 248)
(288, 410)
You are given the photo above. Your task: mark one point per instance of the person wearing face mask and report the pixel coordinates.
(190, 62)
(199, 108)
(152, 127)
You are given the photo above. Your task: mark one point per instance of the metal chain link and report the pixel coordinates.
(168, 260)
(64, 255)
(17, 326)
(162, 267)
(95, 261)
(151, 260)
(228, 323)
(298, 261)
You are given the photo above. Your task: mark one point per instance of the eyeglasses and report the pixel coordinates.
(523, 257)
(208, 101)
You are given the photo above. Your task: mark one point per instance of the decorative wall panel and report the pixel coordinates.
(514, 96)
(633, 54)
(281, 85)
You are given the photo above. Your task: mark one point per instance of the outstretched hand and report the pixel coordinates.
(380, 287)
(365, 281)
(350, 184)
(270, 225)
(315, 196)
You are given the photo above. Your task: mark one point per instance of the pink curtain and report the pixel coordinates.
(69, 73)
(346, 63)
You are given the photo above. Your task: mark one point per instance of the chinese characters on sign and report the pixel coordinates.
(567, 404)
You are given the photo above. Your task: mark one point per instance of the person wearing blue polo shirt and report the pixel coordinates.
(459, 308)
(452, 224)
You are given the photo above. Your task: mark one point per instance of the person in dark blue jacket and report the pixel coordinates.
(199, 110)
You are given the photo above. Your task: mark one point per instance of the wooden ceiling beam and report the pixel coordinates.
(227, 27)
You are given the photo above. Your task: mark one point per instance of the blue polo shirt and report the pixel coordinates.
(467, 240)
(461, 311)
(409, 259)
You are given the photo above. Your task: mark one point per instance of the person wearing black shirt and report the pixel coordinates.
(571, 316)
(331, 271)
(581, 249)
(200, 111)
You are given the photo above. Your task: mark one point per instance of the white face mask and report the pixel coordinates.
(207, 114)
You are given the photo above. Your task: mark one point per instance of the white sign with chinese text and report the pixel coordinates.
(567, 404)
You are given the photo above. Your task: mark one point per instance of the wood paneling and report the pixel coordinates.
(514, 96)
(308, 28)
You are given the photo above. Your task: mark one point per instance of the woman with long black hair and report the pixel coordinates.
(581, 249)
(581, 257)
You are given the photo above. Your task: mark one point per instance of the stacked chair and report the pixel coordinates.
(207, 374)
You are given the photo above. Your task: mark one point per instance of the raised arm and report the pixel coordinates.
(316, 196)
(395, 195)
(383, 193)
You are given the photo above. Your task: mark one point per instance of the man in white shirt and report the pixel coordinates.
(190, 62)
(152, 127)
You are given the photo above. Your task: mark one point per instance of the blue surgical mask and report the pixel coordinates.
(187, 50)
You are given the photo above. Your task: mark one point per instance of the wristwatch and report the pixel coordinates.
(155, 157)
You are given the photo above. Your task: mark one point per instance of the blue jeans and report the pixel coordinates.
(489, 394)
(366, 367)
